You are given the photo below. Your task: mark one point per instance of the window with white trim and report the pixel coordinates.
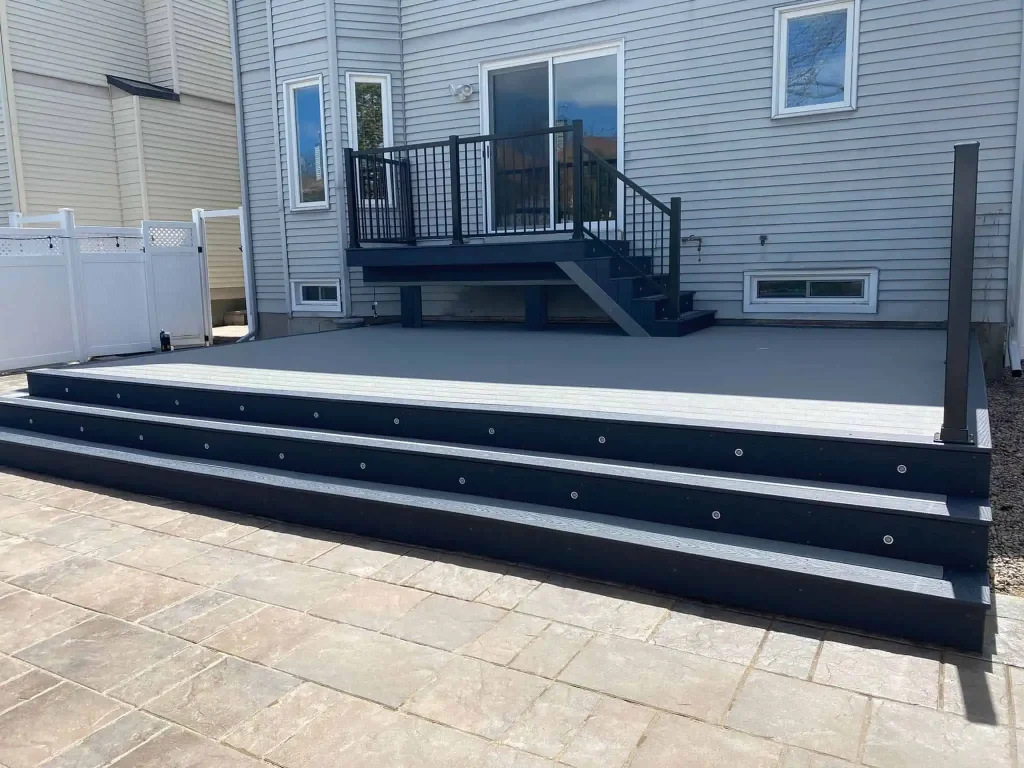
(370, 127)
(307, 154)
(831, 291)
(316, 295)
(815, 58)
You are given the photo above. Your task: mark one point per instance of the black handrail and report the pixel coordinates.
(539, 182)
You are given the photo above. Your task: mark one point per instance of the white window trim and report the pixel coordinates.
(783, 14)
(351, 78)
(866, 305)
(291, 132)
(315, 306)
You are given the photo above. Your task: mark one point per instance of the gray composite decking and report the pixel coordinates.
(873, 383)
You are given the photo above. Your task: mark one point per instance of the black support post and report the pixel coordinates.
(536, 307)
(577, 179)
(350, 196)
(412, 306)
(455, 181)
(408, 216)
(961, 287)
(675, 237)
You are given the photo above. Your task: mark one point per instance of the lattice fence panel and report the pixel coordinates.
(172, 237)
(31, 246)
(110, 244)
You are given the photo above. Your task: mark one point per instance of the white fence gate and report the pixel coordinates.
(71, 293)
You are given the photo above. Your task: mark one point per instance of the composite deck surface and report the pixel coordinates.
(882, 383)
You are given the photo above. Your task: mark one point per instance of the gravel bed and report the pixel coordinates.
(1006, 543)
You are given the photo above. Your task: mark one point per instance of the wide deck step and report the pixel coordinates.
(925, 528)
(922, 602)
(820, 456)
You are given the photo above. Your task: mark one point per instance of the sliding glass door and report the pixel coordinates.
(531, 185)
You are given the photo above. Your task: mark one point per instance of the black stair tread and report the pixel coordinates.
(911, 503)
(968, 588)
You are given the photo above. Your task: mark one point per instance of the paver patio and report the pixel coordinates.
(139, 633)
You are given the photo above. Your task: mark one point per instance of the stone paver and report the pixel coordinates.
(360, 557)
(880, 668)
(445, 622)
(803, 714)
(596, 606)
(904, 736)
(551, 650)
(366, 664)
(790, 649)
(110, 742)
(271, 727)
(222, 697)
(358, 734)
(41, 727)
(976, 689)
(676, 741)
(462, 577)
(176, 748)
(506, 639)
(662, 677)
(370, 604)
(609, 736)
(478, 697)
(101, 652)
(139, 633)
(553, 720)
(165, 675)
(289, 585)
(267, 635)
(289, 542)
(713, 632)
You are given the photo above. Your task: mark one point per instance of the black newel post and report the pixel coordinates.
(675, 237)
(961, 287)
(577, 179)
(455, 181)
(350, 197)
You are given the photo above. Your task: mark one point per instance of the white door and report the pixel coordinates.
(178, 285)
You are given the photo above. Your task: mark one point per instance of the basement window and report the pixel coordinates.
(815, 58)
(827, 291)
(316, 295)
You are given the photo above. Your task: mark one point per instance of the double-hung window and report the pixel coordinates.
(815, 58)
(307, 156)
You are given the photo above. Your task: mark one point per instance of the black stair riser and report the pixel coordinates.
(936, 540)
(929, 469)
(816, 597)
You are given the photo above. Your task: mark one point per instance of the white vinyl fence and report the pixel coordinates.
(70, 292)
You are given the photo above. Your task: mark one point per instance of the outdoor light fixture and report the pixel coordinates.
(461, 92)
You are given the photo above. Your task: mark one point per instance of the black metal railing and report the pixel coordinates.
(541, 182)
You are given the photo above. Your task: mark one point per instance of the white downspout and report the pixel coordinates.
(1015, 265)
(249, 265)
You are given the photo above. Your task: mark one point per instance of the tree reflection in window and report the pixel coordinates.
(816, 59)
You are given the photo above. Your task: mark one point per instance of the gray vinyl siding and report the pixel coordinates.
(865, 188)
(261, 167)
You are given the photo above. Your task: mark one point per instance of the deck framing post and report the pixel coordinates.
(675, 236)
(412, 306)
(455, 181)
(961, 287)
(577, 179)
(350, 198)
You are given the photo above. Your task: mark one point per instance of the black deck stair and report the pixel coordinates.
(813, 526)
(614, 239)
